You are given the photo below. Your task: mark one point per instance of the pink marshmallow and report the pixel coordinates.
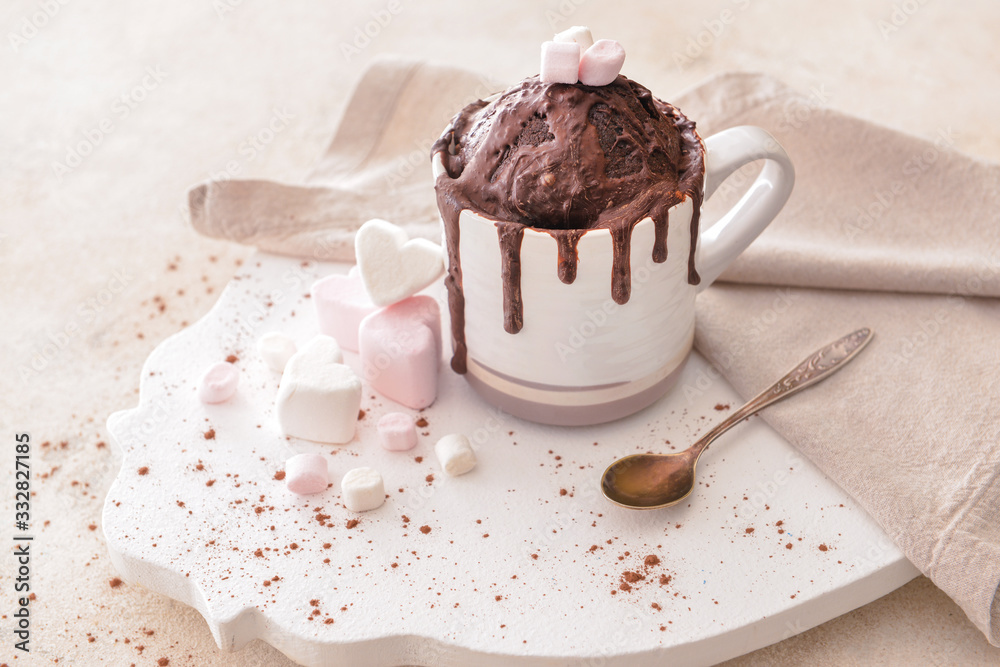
(219, 382)
(306, 473)
(401, 351)
(397, 432)
(601, 63)
(341, 302)
(560, 62)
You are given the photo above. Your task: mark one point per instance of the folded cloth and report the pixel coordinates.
(883, 230)
(377, 166)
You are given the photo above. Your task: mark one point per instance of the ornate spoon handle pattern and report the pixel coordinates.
(818, 366)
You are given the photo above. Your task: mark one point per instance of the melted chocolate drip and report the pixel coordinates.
(450, 212)
(566, 242)
(660, 229)
(511, 234)
(621, 261)
(565, 159)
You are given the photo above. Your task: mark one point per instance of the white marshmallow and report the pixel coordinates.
(454, 453)
(319, 397)
(393, 266)
(397, 431)
(601, 63)
(578, 34)
(219, 382)
(306, 473)
(362, 490)
(276, 349)
(560, 62)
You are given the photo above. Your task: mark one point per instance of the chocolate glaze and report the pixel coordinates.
(511, 234)
(564, 159)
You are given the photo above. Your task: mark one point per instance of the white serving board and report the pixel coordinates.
(535, 591)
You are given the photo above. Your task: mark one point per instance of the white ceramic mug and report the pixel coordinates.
(580, 358)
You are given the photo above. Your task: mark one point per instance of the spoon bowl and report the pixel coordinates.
(649, 481)
(653, 481)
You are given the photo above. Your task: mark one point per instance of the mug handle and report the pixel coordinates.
(725, 152)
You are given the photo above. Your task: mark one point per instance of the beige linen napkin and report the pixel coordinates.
(883, 230)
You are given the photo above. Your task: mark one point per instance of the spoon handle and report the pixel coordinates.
(817, 367)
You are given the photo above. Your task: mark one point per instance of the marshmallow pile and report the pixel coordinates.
(375, 311)
(574, 56)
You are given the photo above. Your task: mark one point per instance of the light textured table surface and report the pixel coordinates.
(111, 110)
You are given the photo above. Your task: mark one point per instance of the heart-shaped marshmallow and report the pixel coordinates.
(341, 302)
(401, 351)
(319, 397)
(393, 266)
